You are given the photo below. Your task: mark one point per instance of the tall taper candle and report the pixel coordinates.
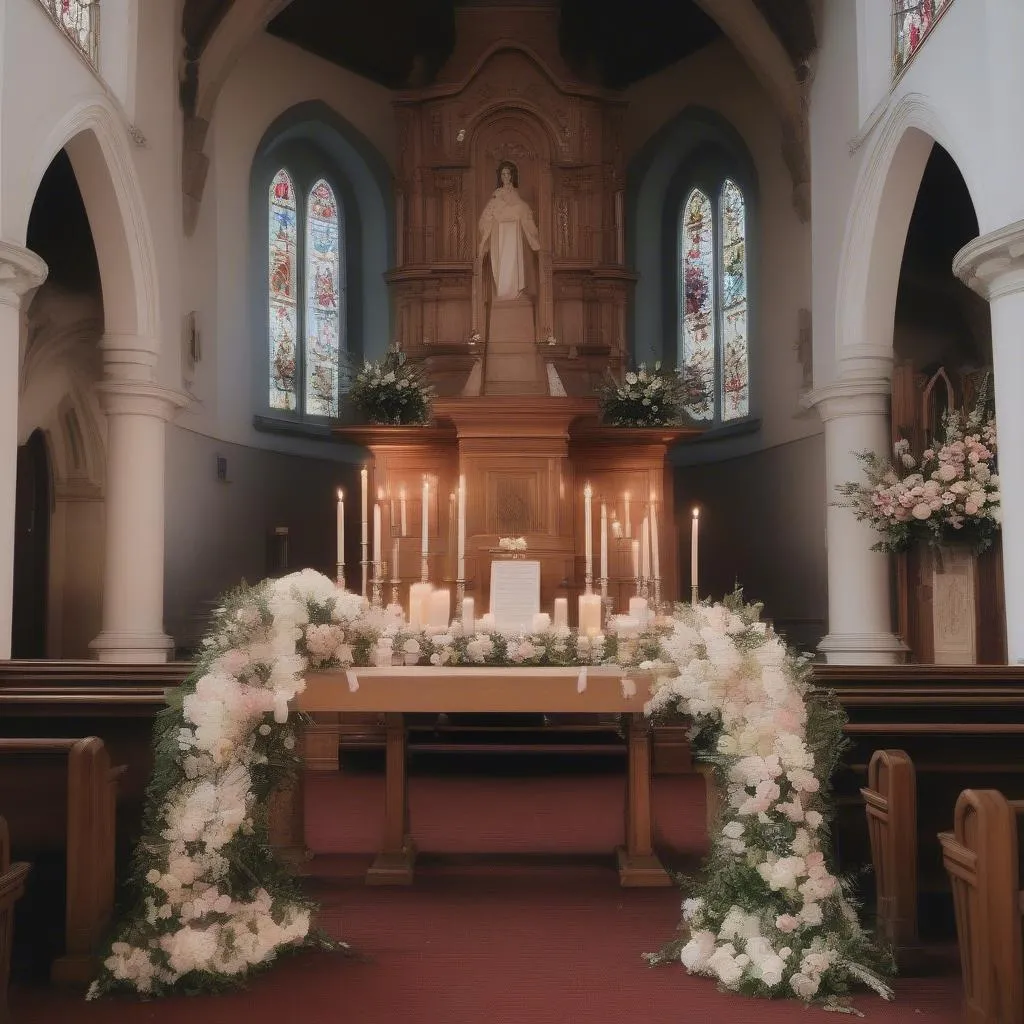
(405, 520)
(462, 528)
(655, 555)
(424, 542)
(693, 554)
(376, 540)
(364, 549)
(629, 525)
(588, 532)
(341, 528)
(645, 549)
(604, 544)
(395, 575)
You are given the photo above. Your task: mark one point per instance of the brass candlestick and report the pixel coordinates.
(379, 573)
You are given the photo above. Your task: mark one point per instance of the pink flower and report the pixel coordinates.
(786, 923)
(922, 510)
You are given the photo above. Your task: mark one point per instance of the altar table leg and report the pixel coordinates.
(638, 864)
(286, 822)
(394, 864)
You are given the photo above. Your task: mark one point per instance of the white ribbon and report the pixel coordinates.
(353, 680)
(628, 688)
(581, 680)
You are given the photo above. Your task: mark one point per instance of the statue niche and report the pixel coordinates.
(506, 223)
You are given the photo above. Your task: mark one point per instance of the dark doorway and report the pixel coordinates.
(31, 549)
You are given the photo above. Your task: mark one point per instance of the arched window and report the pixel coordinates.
(305, 296)
(912, 20)
(713, 339)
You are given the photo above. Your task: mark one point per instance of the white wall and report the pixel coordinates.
(717, 79)
(870, 140)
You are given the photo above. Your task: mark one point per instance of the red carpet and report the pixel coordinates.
(534, 940)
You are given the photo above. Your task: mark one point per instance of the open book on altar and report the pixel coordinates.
(515, 593)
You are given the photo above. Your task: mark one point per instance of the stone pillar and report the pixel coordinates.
(855, 413)
(21, 271)
(133, 578)
(993, 265)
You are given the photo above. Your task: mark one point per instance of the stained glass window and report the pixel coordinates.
(283, 325)
(323, 301)
(735, 361)
(79, 20)
(306, 289)
(714, 351)
(912, 21)
(697, 260)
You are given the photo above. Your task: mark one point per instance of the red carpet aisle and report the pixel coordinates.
(534, 940)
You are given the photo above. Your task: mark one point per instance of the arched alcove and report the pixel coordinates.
(684, 150)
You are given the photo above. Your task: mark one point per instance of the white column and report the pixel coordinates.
(21, 271)
(133, 579)
(855, 413)
(993, 265)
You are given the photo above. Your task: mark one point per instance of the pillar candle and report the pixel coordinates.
(341, 526)
(439, 609)
(424, 542)
(402, 508)
(419, 594)
(645, 549)
(604, 541)
(588, 530)
(395, 575)
(638, 608)
(629, 525)
(561, 613)
(693, 549)
(462, 528)
(468, 616)
(655, 555)
(376, 538)
(589, 614)
(634, 550)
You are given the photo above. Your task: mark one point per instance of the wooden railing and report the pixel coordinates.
(981, 856)
(89, 838)
(12, 886)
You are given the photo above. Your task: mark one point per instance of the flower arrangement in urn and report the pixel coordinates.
(949, 493)
(643, 398)
(391, 390)
(512, 544)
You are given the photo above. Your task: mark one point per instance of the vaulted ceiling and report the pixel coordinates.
(404, 42)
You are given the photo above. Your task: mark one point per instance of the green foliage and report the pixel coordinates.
(643, 398)
(392, 391)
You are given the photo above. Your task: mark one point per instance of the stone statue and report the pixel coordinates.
(503, 224)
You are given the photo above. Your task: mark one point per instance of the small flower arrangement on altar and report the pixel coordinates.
(947, 494)
(643, 398)
(512, 544)
(391, 390)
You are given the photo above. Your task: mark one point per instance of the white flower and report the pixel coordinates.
(803, 986)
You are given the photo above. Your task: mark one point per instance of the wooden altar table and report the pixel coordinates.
(397, 691)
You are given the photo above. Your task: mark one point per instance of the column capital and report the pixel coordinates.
(993, 264)
(21, 270)
(121, 397)
(130, 357)
(857, 397)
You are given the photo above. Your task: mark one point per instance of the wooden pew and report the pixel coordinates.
(890, 802)
(12, 885)
(981, 856)
(88, 835)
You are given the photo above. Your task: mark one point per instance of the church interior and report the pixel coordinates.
(498, 424)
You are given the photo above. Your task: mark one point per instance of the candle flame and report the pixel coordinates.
(587, 491)
(341, 494)
(696, 513)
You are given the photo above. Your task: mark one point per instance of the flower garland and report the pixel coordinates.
(210, 903)
(768, 917)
